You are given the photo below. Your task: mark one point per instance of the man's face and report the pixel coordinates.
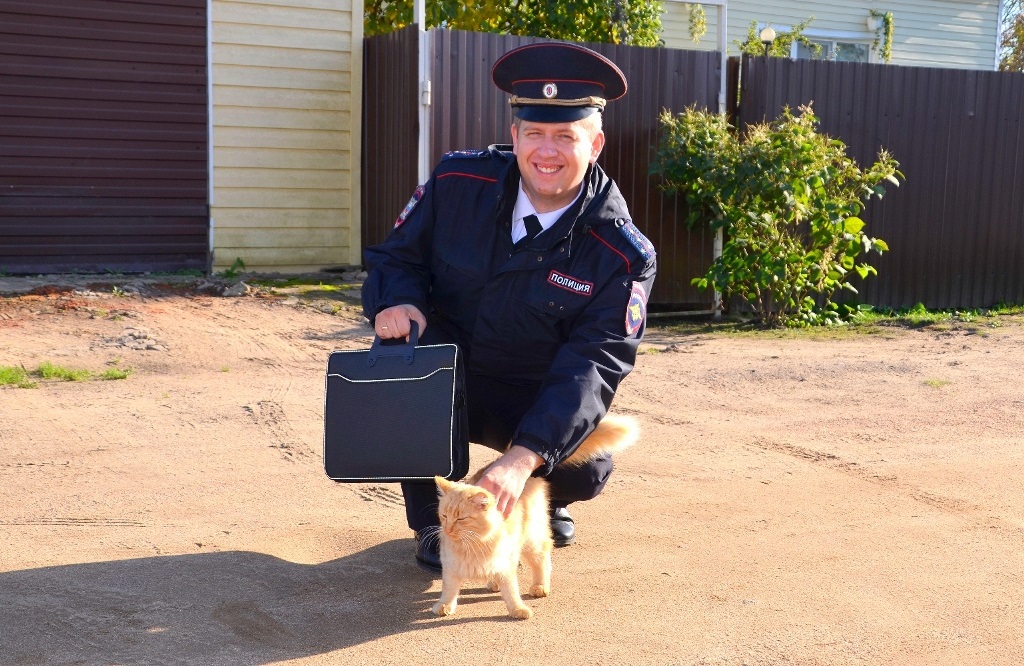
(553, 158)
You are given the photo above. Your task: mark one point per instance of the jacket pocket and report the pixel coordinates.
(555, 301)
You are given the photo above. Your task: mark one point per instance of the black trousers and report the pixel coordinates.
(495, 409)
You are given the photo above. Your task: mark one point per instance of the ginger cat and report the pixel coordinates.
(476, 543)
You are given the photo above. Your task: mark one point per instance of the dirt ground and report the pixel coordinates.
(795, 499)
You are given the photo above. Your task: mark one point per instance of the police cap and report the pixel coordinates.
(557, 82)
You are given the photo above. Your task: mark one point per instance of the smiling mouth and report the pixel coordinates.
(547, 169)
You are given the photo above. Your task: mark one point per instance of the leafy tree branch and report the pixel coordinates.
(636, 22)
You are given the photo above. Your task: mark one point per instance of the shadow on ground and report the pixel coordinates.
(211, 608)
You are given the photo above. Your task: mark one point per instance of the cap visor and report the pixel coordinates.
(553, 114)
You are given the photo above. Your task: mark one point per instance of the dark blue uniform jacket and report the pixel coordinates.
(565, 313)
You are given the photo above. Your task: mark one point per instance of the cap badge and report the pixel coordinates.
(550, 90)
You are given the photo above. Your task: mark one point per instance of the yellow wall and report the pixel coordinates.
(287, 90)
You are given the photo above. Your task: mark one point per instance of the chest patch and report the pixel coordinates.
(572, 284)
(410, 207)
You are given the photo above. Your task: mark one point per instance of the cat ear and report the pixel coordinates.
(443, 484)
(482, 500)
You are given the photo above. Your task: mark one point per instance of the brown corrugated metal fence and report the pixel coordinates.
(470, 112)
(390, 129)
(956, 226)
(103, 135)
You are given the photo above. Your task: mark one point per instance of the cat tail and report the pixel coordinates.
(613, 434)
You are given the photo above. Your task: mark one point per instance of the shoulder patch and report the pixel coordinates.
(410, 207)
(636, 309)
(463, 154)
(638, 240)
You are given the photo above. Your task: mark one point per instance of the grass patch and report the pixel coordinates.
(312, 289)
(47, 370)
(114, 373)
(744, 328)
(920, 317)
(313, 282)
(870, 321)
(21, 378)
(937, 383)
(14, 376)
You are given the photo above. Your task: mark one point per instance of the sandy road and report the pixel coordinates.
(793, 501)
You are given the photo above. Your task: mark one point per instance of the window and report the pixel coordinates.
(836, 45)
(833, 49)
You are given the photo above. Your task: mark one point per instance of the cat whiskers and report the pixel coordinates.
(430, 535)
(475, 543)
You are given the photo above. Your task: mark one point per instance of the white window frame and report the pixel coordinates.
(845, 37)
(820, 35)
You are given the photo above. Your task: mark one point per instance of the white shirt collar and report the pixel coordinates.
(525, 207)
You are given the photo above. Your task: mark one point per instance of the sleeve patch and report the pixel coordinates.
(638, 240)
(636, 309)
(410, 207)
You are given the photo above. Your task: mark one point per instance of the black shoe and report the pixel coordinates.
(428, 549)
(563, 530)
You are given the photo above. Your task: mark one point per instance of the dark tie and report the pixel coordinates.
(532, 227)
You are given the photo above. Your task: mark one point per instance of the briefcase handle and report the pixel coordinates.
(407, 350)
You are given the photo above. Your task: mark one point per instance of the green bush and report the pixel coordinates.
(788, 200)
(782, 45)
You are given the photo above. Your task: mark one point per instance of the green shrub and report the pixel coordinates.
(782, 46)
(788, 200)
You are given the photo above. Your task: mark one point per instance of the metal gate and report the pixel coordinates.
(103, 136)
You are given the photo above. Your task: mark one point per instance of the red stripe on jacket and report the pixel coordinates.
(608, 245)
(467, 175)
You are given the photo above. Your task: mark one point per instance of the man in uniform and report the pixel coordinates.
(526, 257)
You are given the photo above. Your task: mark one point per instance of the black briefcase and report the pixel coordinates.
(396, 412)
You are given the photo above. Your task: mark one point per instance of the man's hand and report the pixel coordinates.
(393, 322)
(507, 476)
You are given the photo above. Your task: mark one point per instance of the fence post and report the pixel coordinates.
(425, 56)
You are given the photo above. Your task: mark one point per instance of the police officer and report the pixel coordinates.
(527, 258)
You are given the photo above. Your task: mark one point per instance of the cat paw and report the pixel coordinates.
(521, 613)
(444, 610)
(540, 591)
(493, 586)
